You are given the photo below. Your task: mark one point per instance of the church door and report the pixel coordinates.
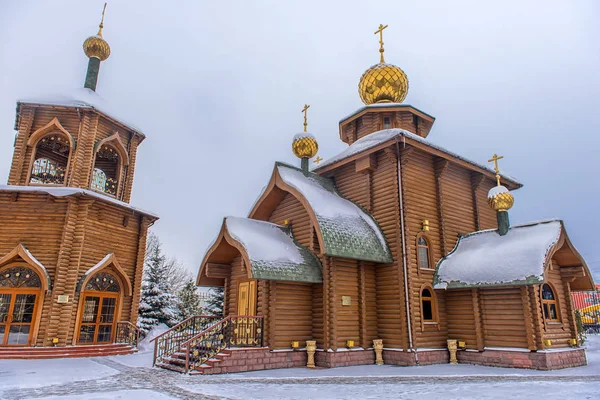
(99, 310)
(20, 288)
(244, 328)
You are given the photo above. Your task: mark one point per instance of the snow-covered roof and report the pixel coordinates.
(272, 251)
(347, 231)
(383, 136)
(485, 258)
(81, 98)
(65, 191)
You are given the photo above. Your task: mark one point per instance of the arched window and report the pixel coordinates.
(550, 304)
(107, 169)
(423, 253)
(428, 310)
(51, 159)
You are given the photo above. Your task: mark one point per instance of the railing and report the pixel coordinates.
(233, 331)
(587, 305)
(128, 333)
(170, 341)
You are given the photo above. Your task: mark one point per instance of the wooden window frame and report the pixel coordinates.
(434, 307)
(383, 117)
(549, 302)
(33, 159)
(429, 252)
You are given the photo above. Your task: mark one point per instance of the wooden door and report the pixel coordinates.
(247, 298)
(98, 318)
(17, 311)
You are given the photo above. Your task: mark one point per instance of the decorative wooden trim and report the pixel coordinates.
(534, 296)
(441, 166)
(108, 262)
(478, 320)
(47, 129)
(528, 319)
(429, 252)
(115, 141)
(434, 307)
(21, 252)
(556, 301)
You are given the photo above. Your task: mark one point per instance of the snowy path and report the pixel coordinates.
(131, 377)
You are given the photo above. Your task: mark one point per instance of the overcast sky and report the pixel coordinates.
(217, 87)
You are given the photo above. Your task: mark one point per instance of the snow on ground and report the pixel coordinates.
(38, 373)
(131, 377)
(118, 395)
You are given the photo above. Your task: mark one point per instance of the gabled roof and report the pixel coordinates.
(343, 228)
(81, 98)
(521, 257)
(65, 191)
(384, 138)
(269, 250)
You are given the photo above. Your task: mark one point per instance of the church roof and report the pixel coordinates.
(380, 138)
(82, 98)
(270, 250)
(65, 191)
(487, 259)
(346, 230)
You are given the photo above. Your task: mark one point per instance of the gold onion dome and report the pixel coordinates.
(305, 145)
(383, 83)
(500, 199)
(96, 46)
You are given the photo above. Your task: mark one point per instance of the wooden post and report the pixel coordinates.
(441, 166)
(333, 304)
(362, 306)
(25, 124)
(528, 319)
(477, 320)
(476, 181)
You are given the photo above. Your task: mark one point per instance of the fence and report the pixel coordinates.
(587, 304)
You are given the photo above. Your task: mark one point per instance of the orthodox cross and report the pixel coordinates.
(102, 20)
(318, 160)
(304, 110)
(380, 31)
(495, 159)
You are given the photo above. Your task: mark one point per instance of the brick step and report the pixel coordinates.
(170, 367)
(64, 352)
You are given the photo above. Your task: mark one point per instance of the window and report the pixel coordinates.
(427, 306)
(106, 170)
(423, 253)
(51, 159)
(387, 122)
(549, 304)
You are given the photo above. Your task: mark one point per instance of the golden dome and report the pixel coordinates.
(305, 145)
(96, 47)
(500, 199)
(383, 83)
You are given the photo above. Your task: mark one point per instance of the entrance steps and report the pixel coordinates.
(176, 362)
(21, 353)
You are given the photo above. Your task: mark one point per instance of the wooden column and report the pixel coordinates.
(529, 325)
(83, 158)
(476, 180)
(362, 306)
(569, 307)
(478, 320)
(25, 123)
(133, 146)
(326, 309)
(266, 291)
(139, 268)
(441, 166)
(333, 304)
(272, 314)
(537, 319)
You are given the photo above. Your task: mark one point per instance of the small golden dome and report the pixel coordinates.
(305, 145)
(383, 83)
(500, 199)
(96, 47)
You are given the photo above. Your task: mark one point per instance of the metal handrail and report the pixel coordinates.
(130, 338)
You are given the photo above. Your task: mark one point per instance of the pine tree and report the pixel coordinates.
(188, 301)
(214, 304)
(157, 302)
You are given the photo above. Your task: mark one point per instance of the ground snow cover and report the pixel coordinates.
(132, 377)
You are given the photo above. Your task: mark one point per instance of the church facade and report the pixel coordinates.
(71, 246)
(396, 242)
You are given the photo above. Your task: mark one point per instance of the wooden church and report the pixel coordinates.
(71, 246)
(395, 242)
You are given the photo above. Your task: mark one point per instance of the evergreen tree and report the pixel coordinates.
(214, 304)
(157, 301)
(188, 301)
